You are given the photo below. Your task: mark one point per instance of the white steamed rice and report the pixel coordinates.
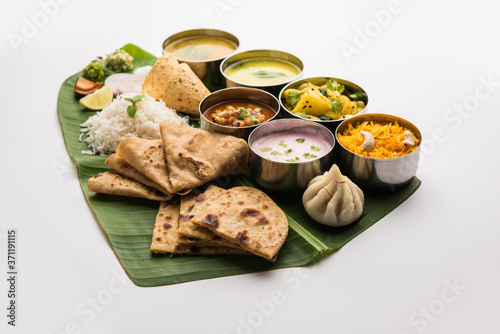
(108, 127)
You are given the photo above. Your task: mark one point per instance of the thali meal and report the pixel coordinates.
(378, 140)
(239, 113)
(201, 48)
(262, 71)
(322, 103)
(144, 125)
(333, 199)
(291, 146)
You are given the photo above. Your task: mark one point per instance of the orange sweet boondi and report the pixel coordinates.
(388, 140)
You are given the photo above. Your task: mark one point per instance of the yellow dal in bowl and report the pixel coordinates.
(262, 71)
(199, 48)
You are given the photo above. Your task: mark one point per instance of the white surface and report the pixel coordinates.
(428, 58)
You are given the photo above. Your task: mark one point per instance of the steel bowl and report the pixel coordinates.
(284, 177)
(273, 89)
(207, 70)
(318, 81)
(235, 93)
(373, 173)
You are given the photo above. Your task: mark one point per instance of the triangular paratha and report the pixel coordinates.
(148, 157)
(119, 165)
(175, 84)
(249, 218)
(156, 79)
(195, 157)
(165, 235)
(112, 183)
(192, 234)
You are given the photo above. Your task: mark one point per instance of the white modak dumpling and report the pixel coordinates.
(332, 199)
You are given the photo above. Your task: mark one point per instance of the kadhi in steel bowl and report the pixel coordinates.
(286, 154)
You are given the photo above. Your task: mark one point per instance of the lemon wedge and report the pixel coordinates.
(98, 99)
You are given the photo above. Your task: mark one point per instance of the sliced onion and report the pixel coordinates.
(122, 83)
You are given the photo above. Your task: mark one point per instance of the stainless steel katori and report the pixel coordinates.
(332, 125)
(377, 174)
(264, 53)
(207, 70)
(284, 177)
(231, 94)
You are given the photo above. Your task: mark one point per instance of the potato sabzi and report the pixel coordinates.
(322, 103)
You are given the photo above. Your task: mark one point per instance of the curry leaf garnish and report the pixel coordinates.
(336, 106)
(309, 156)
(243, 113)
(293, 98)
(287, 152)
(268, 74)
(254, 119)
(335, 86)
(340, 89)
(132, 109)
(324, 92)
(137, 98)
(329, 85)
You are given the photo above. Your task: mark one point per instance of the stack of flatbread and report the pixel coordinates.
(183, 159)
(241, 220)
(172, 170)
(175, 84)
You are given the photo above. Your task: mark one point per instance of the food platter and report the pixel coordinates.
(128, 222)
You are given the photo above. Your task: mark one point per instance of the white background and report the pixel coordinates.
(430, 266)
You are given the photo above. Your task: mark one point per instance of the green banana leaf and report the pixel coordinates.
(128, 222)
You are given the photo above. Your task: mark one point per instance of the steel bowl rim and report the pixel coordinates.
(330, 151)
(203, 29)
(276, 112)
(261, 50)
(330, 121)
(380, 159)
